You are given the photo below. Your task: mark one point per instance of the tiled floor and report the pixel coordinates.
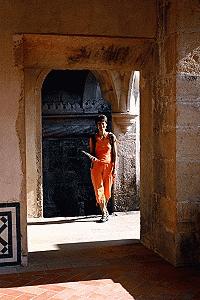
(117, 269)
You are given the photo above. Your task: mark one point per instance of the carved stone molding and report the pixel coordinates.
(123, 121)
(88, 106)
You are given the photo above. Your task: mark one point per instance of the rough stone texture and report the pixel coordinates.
(188, 134)
(125, 191)
(158, 229)
(173, 226)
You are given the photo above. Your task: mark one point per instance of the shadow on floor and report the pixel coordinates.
(82, 254)
(125, 267)
(68, 220)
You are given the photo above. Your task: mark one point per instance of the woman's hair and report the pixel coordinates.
(101, 118)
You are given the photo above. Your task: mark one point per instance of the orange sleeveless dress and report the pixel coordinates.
(101, 170)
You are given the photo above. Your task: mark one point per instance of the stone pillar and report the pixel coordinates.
(158, 143)
(146, 155)
(171, 214)
(125, 191)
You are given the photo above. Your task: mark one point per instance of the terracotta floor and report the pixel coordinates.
(116, 269)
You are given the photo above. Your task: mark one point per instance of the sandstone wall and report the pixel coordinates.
(188, 134)
(170, 218)
(164, 135)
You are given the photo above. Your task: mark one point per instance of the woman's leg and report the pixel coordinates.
(104, 210)
(107, 183)
(97, 181)
(108, 180)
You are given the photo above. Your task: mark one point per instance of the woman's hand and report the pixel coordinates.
(94, 159)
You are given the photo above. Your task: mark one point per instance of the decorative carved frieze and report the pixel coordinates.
(88, 106)
(61, 108)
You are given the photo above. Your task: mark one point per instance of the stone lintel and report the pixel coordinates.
(88, 52)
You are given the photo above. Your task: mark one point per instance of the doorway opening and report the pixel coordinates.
(71, 100)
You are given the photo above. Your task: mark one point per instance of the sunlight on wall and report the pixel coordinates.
(134, 108)
(189, 64)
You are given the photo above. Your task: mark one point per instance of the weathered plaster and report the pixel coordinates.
(105, 18)
(10, 86)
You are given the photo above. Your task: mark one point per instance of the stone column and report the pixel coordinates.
(116, 87)
(125, 190)
(172, 228)
(158, 142)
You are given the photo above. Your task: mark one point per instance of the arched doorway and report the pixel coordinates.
(114, 77)
(71, 100)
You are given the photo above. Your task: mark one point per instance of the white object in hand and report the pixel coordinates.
(89, 155)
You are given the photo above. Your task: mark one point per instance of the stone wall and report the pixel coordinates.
(188, 134)
(171, 219)
(125, 192)
(164, 136)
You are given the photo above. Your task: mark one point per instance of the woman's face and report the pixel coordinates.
(101, 125)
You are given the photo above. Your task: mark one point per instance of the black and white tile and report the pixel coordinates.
(10, 244)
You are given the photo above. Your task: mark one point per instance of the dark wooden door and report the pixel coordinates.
(67, 187)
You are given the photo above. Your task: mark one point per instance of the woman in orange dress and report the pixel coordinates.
(103, 169)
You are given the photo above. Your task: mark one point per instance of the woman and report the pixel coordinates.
(103, 169)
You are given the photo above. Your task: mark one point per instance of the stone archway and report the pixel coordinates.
(34, 80)
(112, 60)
